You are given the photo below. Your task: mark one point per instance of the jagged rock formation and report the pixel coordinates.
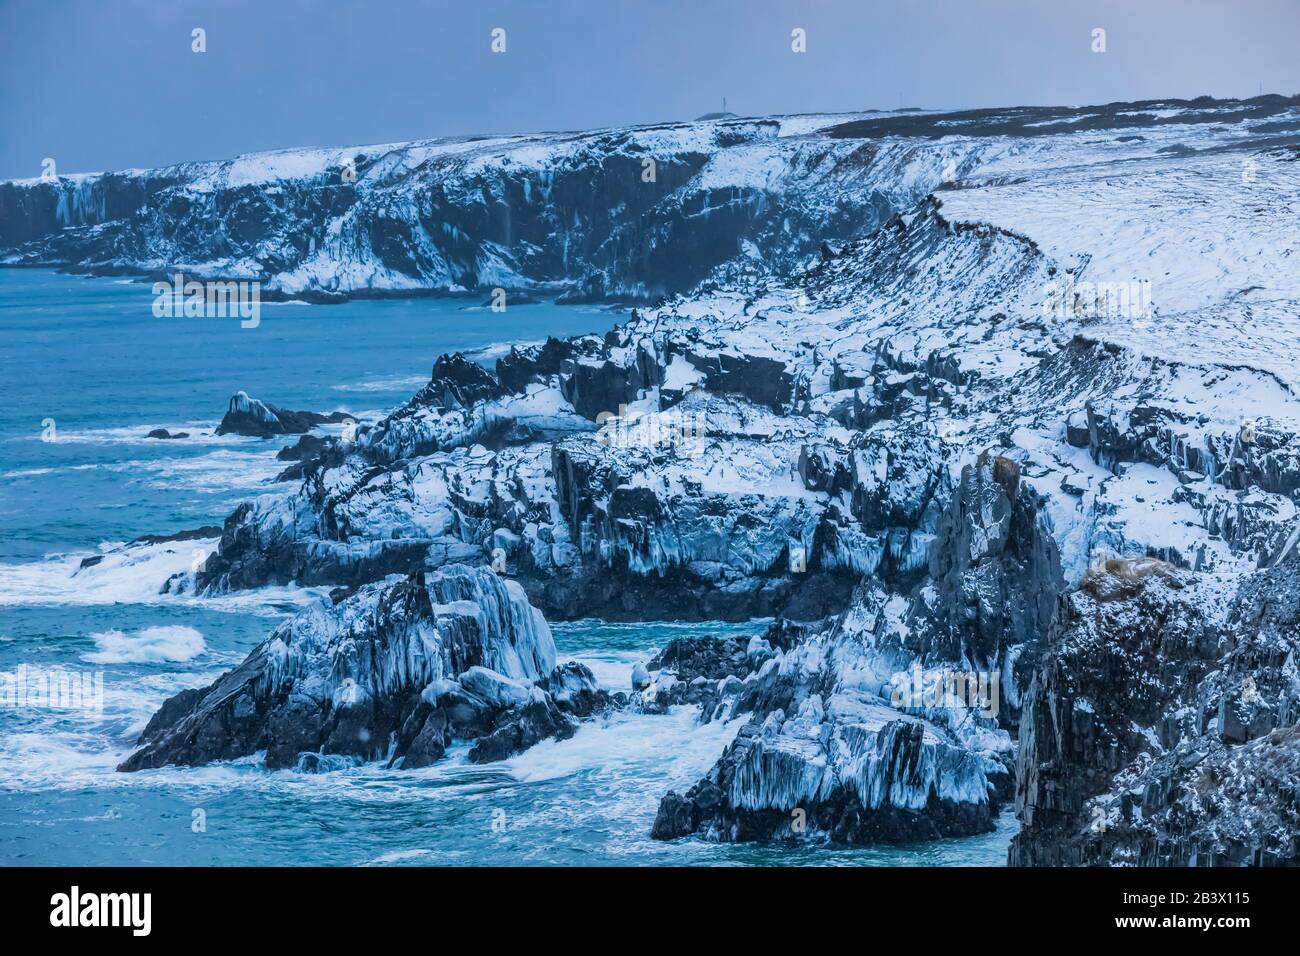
(995, 575)
(395, 672)
(896, 789)
(1162, 730)
(257, 419)
(574, 525)
(842, 743)
(911, 377)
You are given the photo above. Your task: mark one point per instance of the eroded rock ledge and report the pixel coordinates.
(831, 751)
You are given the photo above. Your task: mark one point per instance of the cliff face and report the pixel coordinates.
(952, 453)
(1161, 730)
(621, 214)
(838, 742)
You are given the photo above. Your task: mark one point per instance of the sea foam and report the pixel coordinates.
(168, 643)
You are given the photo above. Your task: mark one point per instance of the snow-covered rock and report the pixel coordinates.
(1162, 728)
(394, 672)
(250, 416)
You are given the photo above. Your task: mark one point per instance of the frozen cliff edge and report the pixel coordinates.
(630, 214)
(620, 214)
(1163, 729)
(837, 747)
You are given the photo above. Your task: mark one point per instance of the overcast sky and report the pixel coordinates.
(111, 84)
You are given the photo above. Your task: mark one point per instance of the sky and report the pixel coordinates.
(114, 84)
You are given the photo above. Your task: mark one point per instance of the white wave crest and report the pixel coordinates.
(152, 644)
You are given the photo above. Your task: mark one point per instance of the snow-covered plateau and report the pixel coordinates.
(1004, 395)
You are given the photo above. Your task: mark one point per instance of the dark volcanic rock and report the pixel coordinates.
(534, 720)
(701, 656)
(995, 565)
(1157, 734)
(534, 363)
(189, 534)
(457, 382)
(248, 416)
(995, 574)
(762, 380)
(306, 447)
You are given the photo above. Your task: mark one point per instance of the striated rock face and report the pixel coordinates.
(1162, 729)
(995, 574)
(842, 743)
(396, 672)
(892, 783)
(826, 759)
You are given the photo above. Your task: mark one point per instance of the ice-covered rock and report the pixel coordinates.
(907, 380)
(640, 677)
(249, 416)
(394, 672)
(1161, 729)
(851, 770)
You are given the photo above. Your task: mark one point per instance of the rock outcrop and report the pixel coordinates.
(848, 740)
(395, 672)
(898, 389)
(1162, 728)
(257, 419)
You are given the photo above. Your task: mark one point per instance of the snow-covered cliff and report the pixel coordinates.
(916, 379)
